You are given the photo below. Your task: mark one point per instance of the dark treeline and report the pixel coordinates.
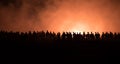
(66, 46)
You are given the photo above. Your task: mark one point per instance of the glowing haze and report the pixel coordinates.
(60, 15)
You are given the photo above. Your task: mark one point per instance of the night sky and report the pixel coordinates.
(60, 15)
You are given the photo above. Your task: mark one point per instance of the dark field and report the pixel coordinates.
(50, 47)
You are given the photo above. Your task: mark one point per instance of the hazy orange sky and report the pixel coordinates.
(60, 15)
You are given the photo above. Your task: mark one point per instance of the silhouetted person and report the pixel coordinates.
(58, 36)
(97, 35)
(63, 36)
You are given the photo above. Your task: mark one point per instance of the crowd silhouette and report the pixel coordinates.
(36, 36)
(66, 45)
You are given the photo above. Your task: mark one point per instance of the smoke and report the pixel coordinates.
(60, 15)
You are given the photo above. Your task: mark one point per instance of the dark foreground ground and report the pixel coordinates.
(48, 47)
(61, 51)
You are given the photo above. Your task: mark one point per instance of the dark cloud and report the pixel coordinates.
(7, 3)
(20, 13)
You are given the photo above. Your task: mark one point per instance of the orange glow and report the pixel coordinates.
(62, 16)
(67, 19)
(80, 28)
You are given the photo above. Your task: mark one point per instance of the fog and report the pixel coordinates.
(60, 15)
